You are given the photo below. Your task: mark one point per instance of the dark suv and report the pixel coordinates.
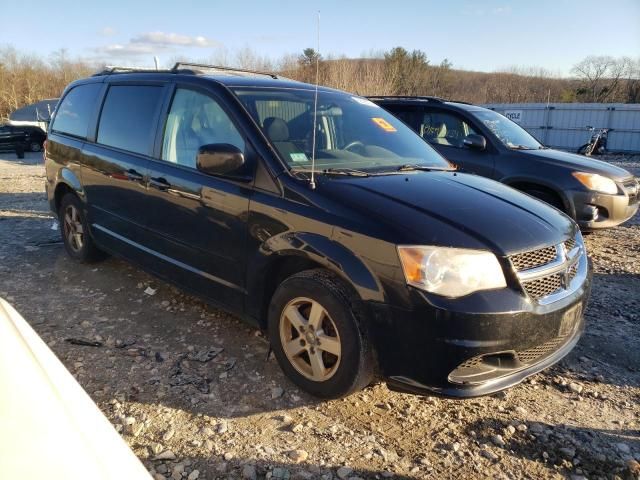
(323, 220)
(596, 194)
(21, 138)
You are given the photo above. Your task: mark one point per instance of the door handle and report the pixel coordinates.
(160, 183)
(134, 176)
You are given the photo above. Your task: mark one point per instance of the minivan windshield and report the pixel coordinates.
(352, 134)
(509, 133)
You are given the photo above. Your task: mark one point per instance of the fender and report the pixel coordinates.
(68, 177)
(65, 179)
(544, 183)
(316, 249)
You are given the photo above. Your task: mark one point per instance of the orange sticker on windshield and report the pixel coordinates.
(383, 124)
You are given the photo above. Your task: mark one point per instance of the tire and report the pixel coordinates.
(340, 342)
(584, 149)
(547, 197)
(35, 146)
(75, 231)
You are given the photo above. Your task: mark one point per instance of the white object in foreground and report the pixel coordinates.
(49, 427)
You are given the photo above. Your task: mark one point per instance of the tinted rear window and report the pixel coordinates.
(74, 112)
(128, 119)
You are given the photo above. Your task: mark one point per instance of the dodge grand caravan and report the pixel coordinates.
(323, 220)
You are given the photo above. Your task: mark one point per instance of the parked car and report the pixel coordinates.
(45, 414)
(21, 138)
(366, 255)
(594, 193)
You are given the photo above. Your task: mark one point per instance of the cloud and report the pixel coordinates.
(173, 39)
(127, 50)
(153, 43)
(108, 31)
(502, 10)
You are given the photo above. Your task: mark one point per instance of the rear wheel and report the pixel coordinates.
(316, 337)
(35, 146)
(75, 231)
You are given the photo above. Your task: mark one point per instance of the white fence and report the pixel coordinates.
(563, 125)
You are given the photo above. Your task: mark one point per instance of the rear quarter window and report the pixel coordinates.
(128, 119)
(75, 110)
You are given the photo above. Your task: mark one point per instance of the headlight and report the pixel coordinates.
(450, 272)
(596, 182)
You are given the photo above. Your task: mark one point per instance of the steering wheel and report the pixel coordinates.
(355, 143)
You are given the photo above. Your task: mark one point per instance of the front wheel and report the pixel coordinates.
(35, 146)
(585, 149)
(547, 197)
(316, 336)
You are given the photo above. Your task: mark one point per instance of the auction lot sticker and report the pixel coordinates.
(383, 124)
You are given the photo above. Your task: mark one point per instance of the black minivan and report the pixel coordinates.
(321, 218)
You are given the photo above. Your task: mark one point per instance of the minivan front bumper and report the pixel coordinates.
(437, 351)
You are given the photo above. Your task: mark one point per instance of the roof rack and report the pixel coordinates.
(407, 97)
(182, 67)
(109, 69)
(200, 67)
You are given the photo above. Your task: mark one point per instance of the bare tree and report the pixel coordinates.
(600, 76)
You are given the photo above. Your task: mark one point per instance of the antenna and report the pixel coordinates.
(312, 183)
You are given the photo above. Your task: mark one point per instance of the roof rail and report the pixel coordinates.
(182, 67)
(200, 67)
(109, 69)
(406, 97)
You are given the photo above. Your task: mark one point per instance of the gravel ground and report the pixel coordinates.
(191, 391)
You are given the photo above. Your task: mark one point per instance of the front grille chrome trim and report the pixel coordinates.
(571, 266)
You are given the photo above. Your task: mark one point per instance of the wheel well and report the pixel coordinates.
(528, 186)
(61, 190)
(276, 274)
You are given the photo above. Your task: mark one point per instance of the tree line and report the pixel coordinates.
(26, 78)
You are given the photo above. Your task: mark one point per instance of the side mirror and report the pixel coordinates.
(219, 158)
(475, 141)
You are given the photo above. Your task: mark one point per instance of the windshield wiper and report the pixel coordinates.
(409, 167)
(332, 171)
(520, 147)
(346, 171)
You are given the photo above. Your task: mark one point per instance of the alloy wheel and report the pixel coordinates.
(310, 339)
(73, 229)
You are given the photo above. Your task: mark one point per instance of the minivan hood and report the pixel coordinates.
(453, 209)
(578, 162)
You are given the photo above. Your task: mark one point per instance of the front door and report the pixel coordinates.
(198, 222)
(446, 132)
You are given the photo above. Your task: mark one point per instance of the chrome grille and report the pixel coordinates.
(541, 287)
(549, 271)
(570, 244)
(535, 258)
(573, 271)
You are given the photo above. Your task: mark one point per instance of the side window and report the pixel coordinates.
(408, 115)
(443, 128)
(194, 120)
(73, 113)
(128, 118)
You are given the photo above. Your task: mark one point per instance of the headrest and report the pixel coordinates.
(276, 129)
